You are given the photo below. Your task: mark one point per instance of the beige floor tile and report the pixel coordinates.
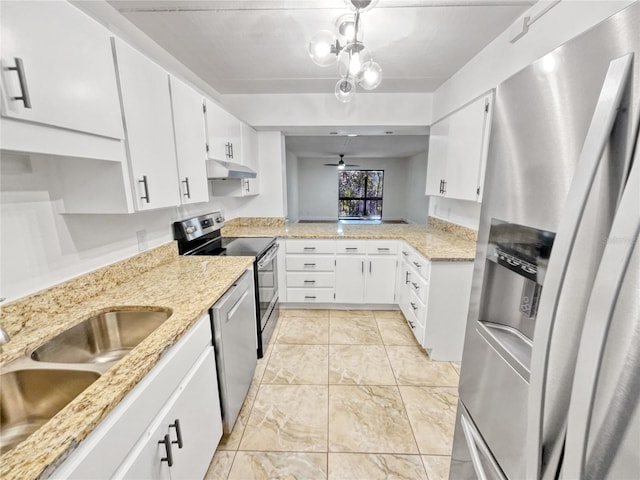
(298, 364)
(231, 441)
(350, 314)
(369, 466)
(432, 413)
(359, 365)
(282, 465)
(307, 313)
(411, 366)
(437, 466)
(396, 331)
(368, 419)
(354, 331)
(288, 418)
(388, 315)
(304, 331)
(220, 465)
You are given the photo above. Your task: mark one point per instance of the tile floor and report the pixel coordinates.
(343, 394)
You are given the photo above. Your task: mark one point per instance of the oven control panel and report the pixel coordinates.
(196, 227)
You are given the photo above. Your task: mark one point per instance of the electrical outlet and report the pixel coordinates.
(142, 240)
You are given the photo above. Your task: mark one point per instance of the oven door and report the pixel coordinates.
(267, 283)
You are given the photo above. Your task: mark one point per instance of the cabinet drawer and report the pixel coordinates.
(310, 263)
(310, 295)
(311, 279)
(417, 327)
(418, 285)
(389, 247)
(311, 246)
(418, 308)
(350, 246)
(417, 261)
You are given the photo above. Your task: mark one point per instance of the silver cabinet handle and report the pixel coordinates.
(383, 249)
(418, 265)
(246, 185)
(310, 297)
(351, 249)
(362, 264)
(231, 149)
(369, 266)
(186, 184)
(146, 188)
(309, 249)
(22, 79)
(404, 253)
(413, 305)
(406, 277)
(309, 281)
(309, 264)
(415, 285)
(411, 324)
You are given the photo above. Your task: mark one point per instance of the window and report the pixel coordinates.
(360, 194)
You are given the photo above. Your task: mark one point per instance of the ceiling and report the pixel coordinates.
(364, 146)
(260, 46)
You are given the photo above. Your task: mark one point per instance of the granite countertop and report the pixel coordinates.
(158, 278)
(437, 241)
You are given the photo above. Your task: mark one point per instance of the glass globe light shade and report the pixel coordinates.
(345, 90)
(321, 48)
(351, 60)
(361, 5)
(346, 30)
(341, 165)
(371, 75)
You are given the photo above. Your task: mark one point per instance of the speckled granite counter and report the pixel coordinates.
(158, 278)
(437, 241)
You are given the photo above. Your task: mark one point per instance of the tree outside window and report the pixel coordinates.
(360, 194)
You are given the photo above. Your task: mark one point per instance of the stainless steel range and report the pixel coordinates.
(202, 236)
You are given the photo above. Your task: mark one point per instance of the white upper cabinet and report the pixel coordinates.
(458, 151)
(190, 137)
(224, 133)
(57, 68)
(250, 158)
(146, 106)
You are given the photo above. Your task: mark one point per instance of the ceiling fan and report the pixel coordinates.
(341, 163)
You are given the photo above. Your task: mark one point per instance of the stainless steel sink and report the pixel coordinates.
(29, 398)
(104, 338)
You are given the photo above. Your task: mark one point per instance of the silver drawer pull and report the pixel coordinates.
(405, 253)
(351, 249)
(383, 249)
(417, 264)
(309, 264)
(309, 248)
(413, 305)
(411, 324)
(415, 285)
(309, 297)
(309, 281)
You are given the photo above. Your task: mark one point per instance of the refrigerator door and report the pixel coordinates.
(604, 416)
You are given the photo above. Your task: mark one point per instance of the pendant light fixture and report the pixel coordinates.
(344, 47)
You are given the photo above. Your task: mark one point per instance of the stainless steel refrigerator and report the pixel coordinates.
(550, 379)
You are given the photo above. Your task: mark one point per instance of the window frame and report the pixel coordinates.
(365, 198)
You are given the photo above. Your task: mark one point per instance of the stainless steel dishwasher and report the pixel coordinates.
(233, 321)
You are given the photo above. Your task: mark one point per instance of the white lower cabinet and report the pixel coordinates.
(182, 386)
(380, 279)
(182, 440)
(350, 278)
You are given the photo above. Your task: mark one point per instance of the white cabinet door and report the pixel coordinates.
(190, 138)
(250, 158)
(144, 89)
(66, 65)
(186, 431)
(464, 157)
(380, 283)
(224, 133)
(437, 162)
(350, 278)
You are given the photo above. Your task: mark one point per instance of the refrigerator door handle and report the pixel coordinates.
(476, 447)
(620, 247)
(596, 140)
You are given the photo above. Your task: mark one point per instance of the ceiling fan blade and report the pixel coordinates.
(331, 164)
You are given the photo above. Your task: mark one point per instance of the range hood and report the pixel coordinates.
(220, 169)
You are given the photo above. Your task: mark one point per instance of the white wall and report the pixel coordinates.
(417, 203)
(293, 209)
(318, 187)
(501, 59)
(366, 109)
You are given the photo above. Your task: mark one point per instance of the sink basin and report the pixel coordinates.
(103, 338)
(29, 398)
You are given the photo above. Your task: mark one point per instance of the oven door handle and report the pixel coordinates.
(270, 255)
